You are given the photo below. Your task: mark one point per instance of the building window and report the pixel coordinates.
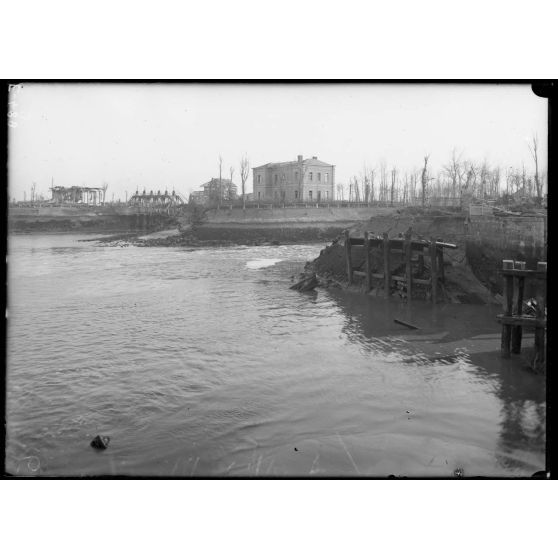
(259, 195)
(310, 194)
(276, 177)
(276, 193)
(296, 176)
(327, 177)
(319, 177)
(327, 194)
(259, 178)
(296, 194)
(311, 175)
(282, 177)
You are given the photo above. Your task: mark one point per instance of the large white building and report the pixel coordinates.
(303, 180)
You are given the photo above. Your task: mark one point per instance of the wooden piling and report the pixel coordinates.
(507, 308)
(348, 258)
(540, 355)
(517, 330)
(433, 269)
(408, 266)
(367, 261)
(440, 255)
(420, 263)
(387, 266)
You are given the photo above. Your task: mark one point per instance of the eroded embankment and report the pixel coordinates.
(459, 285)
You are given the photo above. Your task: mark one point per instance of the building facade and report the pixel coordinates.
(303, 180)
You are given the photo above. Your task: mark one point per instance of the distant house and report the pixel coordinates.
(215, 191)
(303, 180)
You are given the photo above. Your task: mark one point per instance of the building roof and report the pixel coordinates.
(310, 161)
(224, 181)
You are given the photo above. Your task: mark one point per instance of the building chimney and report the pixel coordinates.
(300, 158)
(314, 157)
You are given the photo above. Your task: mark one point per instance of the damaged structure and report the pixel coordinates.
(157, 199)
(78, 194)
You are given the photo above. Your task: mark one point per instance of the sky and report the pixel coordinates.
(159, 136)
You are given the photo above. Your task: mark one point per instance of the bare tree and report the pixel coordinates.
(372, 193)
(424, 179)
(104, 189)
(230, 188)
(534, 153)
(220, 181)
(357, 192)
(393, 176)
(340, 191)
(244, 171)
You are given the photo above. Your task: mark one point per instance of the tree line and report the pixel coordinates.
(457, 179)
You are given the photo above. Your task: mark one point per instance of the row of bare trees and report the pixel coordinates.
(227, 193)
(459, 179)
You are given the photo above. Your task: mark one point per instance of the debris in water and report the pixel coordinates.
(296, 449)
(410, 326)
(100, 442)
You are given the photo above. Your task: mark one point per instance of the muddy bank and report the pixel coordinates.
(205, 235)
(86, 223)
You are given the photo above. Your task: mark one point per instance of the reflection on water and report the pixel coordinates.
(204, 363)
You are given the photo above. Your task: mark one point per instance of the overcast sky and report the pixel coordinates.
(158, 136)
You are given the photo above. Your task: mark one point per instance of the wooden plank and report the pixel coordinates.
(387, 265)
(348, 259)
(421, 281)
(523, 273)
(433, 269)
(367, 261)
(409, 266)
(359, 273)
(357, 241)
(377, 275)
(410, 326)
(517, 330)
(526, 321)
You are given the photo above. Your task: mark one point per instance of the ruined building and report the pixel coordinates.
(77, 194)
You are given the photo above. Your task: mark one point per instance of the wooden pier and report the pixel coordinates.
(513, 319)
(433, 250)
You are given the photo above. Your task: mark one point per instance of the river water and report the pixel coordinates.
(203, 363)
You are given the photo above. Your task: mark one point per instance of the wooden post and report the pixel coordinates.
(440, 254)
(507, 301)
(420, 266)
(367, 261)
(517, 331)
(540, 355)
(387, 268)
(348, 258)
(408, 266)
(433, 269)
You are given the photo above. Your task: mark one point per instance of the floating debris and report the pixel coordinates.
(100, 442)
